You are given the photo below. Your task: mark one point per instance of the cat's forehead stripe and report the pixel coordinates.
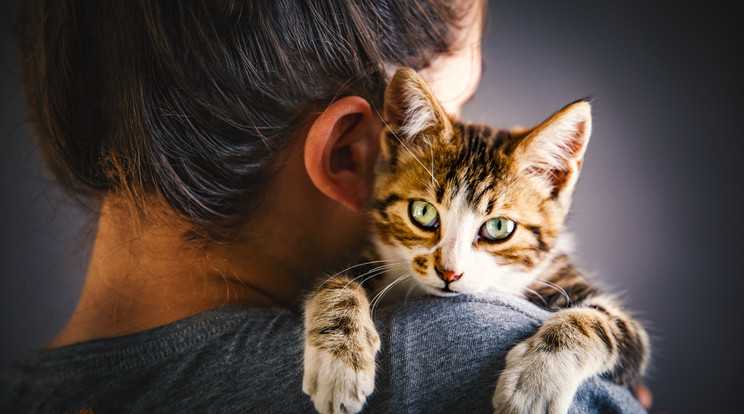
(475, 167)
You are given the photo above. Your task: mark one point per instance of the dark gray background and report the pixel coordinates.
(656, 214)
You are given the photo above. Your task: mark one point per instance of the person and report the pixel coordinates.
(231, 146)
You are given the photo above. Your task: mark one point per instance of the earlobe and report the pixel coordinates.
(341, 149)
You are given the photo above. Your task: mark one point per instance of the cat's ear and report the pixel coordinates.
(554, 150)
(411, 109)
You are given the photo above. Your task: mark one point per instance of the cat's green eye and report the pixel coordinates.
(423, 214)
(497, 229)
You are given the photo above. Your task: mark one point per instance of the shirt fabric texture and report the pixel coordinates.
(438, 355)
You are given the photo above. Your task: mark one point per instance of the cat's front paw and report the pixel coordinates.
(535, 381)
(334, 385)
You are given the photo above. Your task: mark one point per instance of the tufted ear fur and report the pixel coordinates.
(412, 110)
(554, 150)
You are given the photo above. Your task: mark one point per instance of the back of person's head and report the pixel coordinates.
(188, 103)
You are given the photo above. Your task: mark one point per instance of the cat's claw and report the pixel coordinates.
(335, 386)
(536, 382)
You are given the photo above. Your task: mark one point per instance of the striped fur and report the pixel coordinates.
(340, 347)
(471, 174)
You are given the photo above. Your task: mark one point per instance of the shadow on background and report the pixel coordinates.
(656, 214)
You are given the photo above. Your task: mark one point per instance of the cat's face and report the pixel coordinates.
(465, 208)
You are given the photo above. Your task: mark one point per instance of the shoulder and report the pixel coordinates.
(248, 359)
(456, 347)
(447, 346)
(234, 359)
(467, 307)
(496, 319)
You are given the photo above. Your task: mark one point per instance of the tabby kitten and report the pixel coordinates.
(470, 209)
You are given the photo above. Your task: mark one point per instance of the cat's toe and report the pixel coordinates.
(506, 399)
(535, 382)
(335, 386)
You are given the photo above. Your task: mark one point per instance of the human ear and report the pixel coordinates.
(341, 149)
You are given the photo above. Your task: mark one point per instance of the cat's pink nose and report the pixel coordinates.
(449, 276)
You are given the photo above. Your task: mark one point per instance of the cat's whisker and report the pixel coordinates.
(353, 267)
(408, 293)
(373, 272)
(378, 297)
(556, 287)
(379, 271)
(393, 264)
(431, 173)
(406, 147)
(431, 149)
(534, 292)
(512, 291)
(370, 274)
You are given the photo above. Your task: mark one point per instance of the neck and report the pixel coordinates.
(139, 280)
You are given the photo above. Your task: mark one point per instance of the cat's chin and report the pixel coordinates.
(440, 291)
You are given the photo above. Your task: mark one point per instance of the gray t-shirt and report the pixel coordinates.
(439, 355)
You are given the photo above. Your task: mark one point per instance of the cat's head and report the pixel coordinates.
(467, 208)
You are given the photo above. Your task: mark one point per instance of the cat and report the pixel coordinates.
(472, 209)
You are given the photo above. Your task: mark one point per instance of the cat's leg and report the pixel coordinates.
(543, 372)
(340, 346)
